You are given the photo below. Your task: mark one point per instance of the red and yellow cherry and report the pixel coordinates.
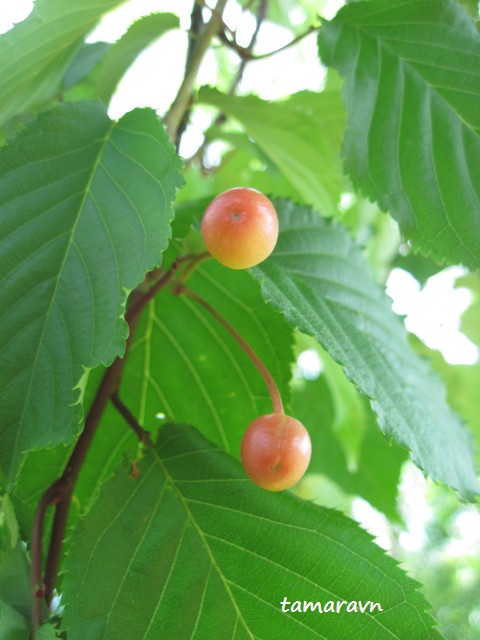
(240, 228)
(276, 451)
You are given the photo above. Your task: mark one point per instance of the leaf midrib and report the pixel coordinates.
(201, 535)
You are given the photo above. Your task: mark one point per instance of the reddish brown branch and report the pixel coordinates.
(63, 488)
(59, 494)
(142, 434)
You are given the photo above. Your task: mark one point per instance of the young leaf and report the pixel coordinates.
(292, 136)
(85, 210)
(319, 279)
(173, 554)
(35, 54)
(412, 94)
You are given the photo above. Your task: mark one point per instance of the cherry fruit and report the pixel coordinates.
(240, 228)
(276, 451)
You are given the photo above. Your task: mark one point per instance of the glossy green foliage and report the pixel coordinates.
(225, 391)
(347, 446)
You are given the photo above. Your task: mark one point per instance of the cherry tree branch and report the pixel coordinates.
(220, 119)
(181, 104)
(246, 54)
(59, 494)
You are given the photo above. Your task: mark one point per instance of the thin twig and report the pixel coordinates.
(197, 26)
(59, 494)
(218, 15)
(261, 15)
(246, 54)
(220, 119)
(138, 306)
(142, 434)
(181, 103)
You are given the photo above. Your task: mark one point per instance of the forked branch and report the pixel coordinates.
(59, 494)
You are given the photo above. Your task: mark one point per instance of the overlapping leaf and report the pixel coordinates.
(36, 53)
(318, 278)
(173, 554)
(412, 94)
(85, 210)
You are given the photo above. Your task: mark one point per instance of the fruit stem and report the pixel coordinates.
(262, 369)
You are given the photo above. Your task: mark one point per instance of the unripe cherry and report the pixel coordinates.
(240, 228)
(276, 451)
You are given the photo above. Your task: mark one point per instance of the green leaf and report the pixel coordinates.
(8, 520)
(379, 462)
(85, 60)
(351, 416)
(209, 378)
(47, 632)
(13, 626)
(15, 579)
(412, 93)
(114, 442)
(248, 165)
(291, 135)
(174, 539)
(462, 383)
(319, 279)
(85, 211)
(471, 7)
(35, 54)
